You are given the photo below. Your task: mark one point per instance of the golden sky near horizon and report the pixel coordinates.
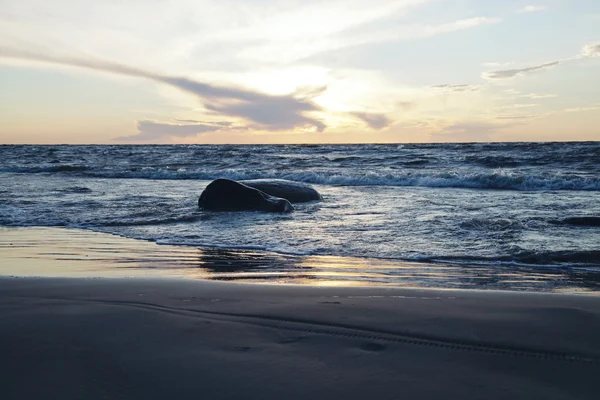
(232, 71)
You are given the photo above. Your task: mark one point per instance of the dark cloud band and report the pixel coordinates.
(511, 73)
(375, 121)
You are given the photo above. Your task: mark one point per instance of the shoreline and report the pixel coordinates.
(71, 252)
(181, 338)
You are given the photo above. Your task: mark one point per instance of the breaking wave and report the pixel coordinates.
(497, 179)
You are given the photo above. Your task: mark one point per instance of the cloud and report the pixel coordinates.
(496, 64)
(375, 121)
(299, 30)
(526, 105)
(193, 121)
(511, 73)
(472, 127)
(591, 50)
(217, 35)
(536, 96)
(461, 131)
(273, 112)
(517, 111)
(515, 95)
(528, 116)
(467, 23)
(424, 31)
(270, 112)
(470, 131)
(580, 109)
(592, 107)
(283, 50)
(152, 131)
(529, 9)
(456, 88)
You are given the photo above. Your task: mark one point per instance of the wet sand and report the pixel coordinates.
(142, 338)
(61, 252)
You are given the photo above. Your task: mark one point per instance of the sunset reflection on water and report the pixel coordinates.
(80, 253)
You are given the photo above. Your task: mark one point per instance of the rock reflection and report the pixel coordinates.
(224, 260)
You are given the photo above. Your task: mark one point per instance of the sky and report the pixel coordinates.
(298, 71)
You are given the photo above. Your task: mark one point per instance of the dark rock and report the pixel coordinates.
(295, 192)
(228, 195)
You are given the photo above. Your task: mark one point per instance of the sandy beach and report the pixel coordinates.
(185, 339)
(94, 316)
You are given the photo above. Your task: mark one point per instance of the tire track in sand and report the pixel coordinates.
(349, 331)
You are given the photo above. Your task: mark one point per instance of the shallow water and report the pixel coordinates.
(64, 252)
(503, 207)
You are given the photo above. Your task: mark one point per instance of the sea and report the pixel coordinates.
(512, 214)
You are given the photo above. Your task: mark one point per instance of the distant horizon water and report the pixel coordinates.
(322, 143)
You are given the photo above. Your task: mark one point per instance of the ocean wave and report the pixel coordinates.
(579, 221)
(75, 189)
(493, 161)
(46, 169)
(490, 224)
(563, 258)
(151, 221)
(496, 179)
(211, 245)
